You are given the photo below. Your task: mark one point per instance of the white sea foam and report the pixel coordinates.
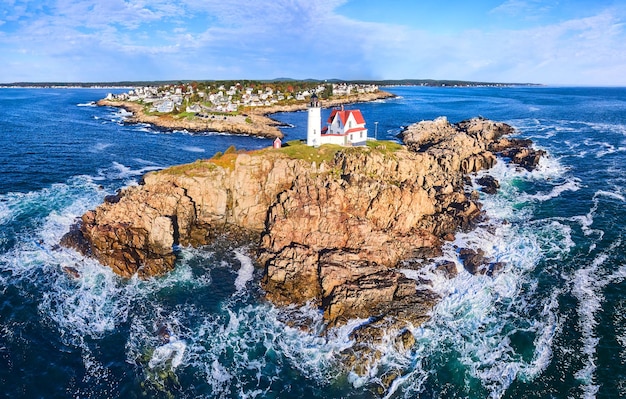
(478, 317)
(570, 185)
(89, 104)
(192, 149)
(119, 115)
(606, 127)
(587, 220)
(609, 194)
(119, 171)
(246, 271)
(99, 147)
(590, 301)
(5, 212)
(170, 354)
(588, 285)
(252, 341)
(619, 324)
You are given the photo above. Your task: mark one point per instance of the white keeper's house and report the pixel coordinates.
(344, 127)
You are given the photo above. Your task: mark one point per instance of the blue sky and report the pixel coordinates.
(560, 42)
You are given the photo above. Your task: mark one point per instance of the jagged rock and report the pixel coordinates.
(519, 151)
(448, 269)
(476, 263)
(136, 233)
(473, 261)
(333, 233)
(489, 183)
(339, 234)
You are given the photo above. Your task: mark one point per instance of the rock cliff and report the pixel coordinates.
(332, 230)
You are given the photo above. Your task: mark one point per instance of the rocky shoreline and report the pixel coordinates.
(332, 227)
(255, 121)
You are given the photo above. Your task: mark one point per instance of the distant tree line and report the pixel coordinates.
(285, 85)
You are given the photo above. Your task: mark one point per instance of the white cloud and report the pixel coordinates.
(214, 39)
(526, 9)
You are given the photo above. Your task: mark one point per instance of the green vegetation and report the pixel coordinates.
(295, 149)
(191, 169)
(187, 115)
(299, 150)
(384, 146)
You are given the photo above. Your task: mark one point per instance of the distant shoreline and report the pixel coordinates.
(380, 83)
(253, 121)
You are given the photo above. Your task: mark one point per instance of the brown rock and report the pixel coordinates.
(334, 234)
(519, 151)
(489, 183)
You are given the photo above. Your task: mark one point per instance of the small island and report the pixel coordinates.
(334, 226)
(233, 107)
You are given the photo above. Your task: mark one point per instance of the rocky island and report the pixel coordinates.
(332, 226)
(237, 108)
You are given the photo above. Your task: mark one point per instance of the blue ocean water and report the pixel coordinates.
(551, 324)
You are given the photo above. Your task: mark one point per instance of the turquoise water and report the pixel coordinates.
(551, 324)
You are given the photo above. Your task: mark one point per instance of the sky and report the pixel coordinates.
(554, 42)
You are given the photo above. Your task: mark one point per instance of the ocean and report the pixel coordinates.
(551, 324)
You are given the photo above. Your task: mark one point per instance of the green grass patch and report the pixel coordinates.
(191, 169)
(384, 146)
(295, 149)
(299, 150)
(187, 115)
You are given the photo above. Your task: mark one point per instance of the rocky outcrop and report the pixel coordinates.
(334, 233)
(254, 124)
(489, 184)
(519, 151)
(137, 231)
(337, 238)
(335, 230)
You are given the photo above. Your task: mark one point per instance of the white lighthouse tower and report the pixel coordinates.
(314, 123)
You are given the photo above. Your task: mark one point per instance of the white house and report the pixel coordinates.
(344, 127)
(165, 106)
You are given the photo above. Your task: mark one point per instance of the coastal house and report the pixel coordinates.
(344, 127)
(165, 106)
(193, 108)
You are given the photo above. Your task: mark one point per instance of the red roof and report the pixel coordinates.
(355, 129)
(344, 115)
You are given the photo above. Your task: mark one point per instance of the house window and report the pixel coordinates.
(361, 134)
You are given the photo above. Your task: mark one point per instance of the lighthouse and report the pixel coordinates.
(314, 123)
